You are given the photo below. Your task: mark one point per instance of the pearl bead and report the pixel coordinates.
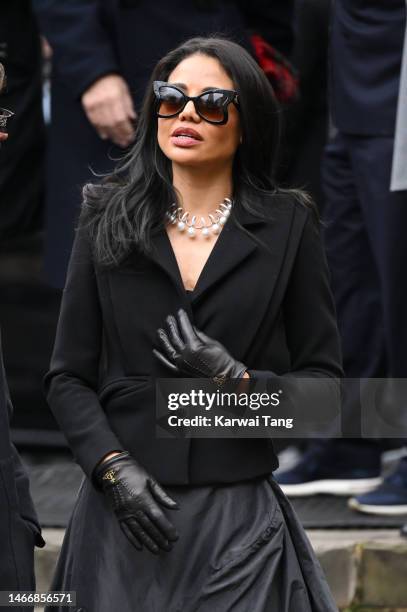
(205, 232)
(222, 220)
(181, 226)
(215, 228)
(191, 232)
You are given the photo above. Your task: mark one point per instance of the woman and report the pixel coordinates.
(188, 524)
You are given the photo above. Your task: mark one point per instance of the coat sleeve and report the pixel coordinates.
(309, 312)
(82, 47)
(72, 379)
(26, 506)
(4, 390)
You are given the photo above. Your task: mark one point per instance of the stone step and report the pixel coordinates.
(366, 569)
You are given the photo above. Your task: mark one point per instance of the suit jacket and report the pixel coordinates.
(19, 526)
(273, 311)
(398, 174)
(366, 51)
(96, 37)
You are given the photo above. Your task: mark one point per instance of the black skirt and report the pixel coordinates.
(241, 548)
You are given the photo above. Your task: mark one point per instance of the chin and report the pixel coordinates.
(186, 157)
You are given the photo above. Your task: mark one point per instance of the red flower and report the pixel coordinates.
(281, 74)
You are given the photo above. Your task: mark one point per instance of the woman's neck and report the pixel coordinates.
(202, 191)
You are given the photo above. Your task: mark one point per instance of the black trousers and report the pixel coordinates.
(366, 246)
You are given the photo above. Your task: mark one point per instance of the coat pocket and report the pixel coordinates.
(249, 530)
(8, 487)
(120, 387)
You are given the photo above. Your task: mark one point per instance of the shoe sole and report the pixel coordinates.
(382, 510)
(332, 487)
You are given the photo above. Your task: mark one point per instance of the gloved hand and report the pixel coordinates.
(134, 493)
(191, 352)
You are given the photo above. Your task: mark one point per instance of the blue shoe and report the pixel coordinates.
(328, 468)
(389, 499)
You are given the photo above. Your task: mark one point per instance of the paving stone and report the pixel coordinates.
(383, 575)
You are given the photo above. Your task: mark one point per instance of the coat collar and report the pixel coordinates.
(232, 247)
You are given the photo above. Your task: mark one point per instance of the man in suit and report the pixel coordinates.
(365, 243)
(20, 530)
(103, 54)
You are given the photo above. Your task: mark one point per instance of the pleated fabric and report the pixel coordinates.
(241, 548)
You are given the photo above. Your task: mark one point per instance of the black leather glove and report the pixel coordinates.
(191, 352)
(134, 493)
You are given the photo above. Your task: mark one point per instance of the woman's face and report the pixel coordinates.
(218, 143)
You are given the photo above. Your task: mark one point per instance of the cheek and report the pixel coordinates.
(163, 133)
(228, 142)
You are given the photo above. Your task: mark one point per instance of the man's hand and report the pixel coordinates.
(3, 136)
(109, 107)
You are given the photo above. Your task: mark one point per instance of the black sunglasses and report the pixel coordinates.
(211, 105)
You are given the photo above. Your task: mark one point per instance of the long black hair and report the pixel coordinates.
(126, 206)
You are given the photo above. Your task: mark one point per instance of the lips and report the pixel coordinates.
(188, 132)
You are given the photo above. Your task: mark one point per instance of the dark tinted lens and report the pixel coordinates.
(171, 101)
(211, 105)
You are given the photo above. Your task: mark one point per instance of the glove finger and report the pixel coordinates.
(161, 495)
(130, 535)
(138, 530)
(165, 361)
(163, 524)
(202, 335)
(158, 537)
(166, 344)
(174, 333)
(188, 330)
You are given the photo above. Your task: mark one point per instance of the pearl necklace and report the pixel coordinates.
(180, 217)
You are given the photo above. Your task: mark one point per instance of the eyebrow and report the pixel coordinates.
(183, 86)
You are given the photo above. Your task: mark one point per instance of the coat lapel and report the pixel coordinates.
(231, 248)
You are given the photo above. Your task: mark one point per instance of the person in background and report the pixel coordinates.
(20, 530)
(365, 244)
(22, 164)
(307, 119)
(103, 53)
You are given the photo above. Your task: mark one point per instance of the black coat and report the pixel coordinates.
(272, 311)
(20, 530)
(128, 37)
(24, 153)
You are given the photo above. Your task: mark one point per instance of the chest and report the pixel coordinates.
(238, 289)
(191, 254)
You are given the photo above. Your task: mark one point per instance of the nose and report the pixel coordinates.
(190, 111)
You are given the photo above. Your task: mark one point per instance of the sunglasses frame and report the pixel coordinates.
(231, 97)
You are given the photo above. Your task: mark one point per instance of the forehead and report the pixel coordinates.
(200, 71)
